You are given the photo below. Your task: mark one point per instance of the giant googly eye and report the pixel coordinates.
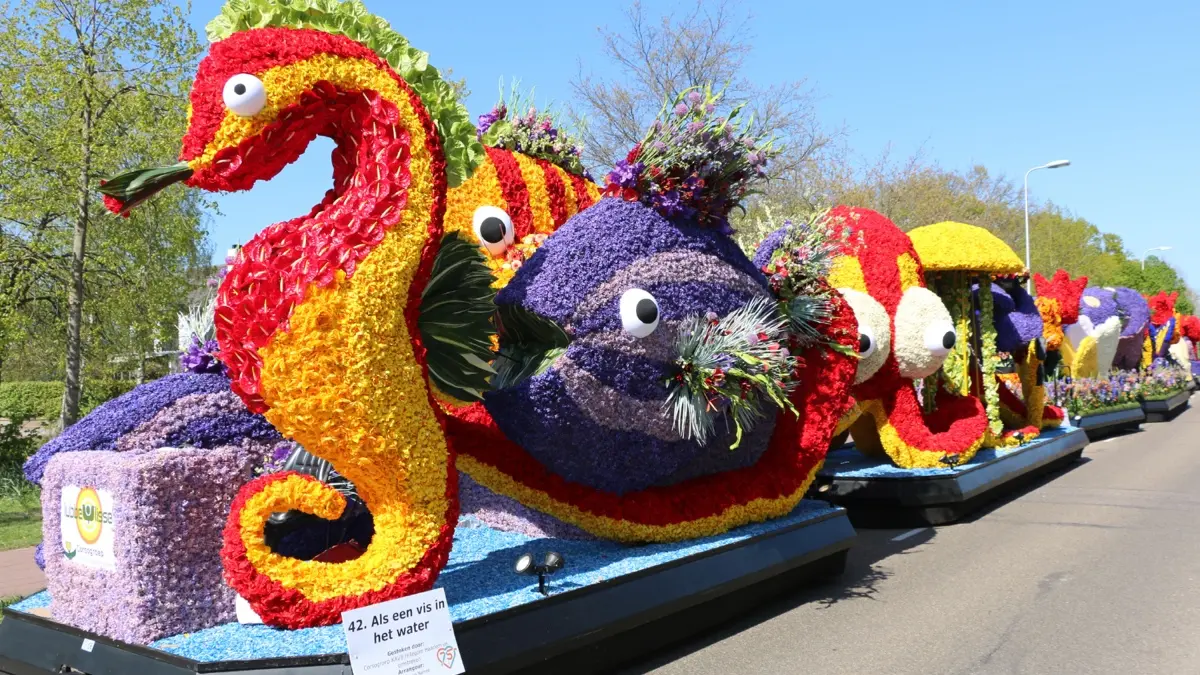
(874, 333)
(867, 344)
(245, 95)
(639, 312)
(924, 333)
(493, 228)
(939, 339)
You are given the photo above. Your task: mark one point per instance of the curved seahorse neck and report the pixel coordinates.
(371, 178)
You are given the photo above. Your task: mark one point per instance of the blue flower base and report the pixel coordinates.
(848, 462)
(879, 494)
(480, 582)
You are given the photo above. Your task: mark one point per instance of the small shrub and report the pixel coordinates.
(43, 400)
(15, 445)
(28, 400)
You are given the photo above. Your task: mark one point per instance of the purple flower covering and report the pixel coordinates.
(1098, 304)
(1015, 316)
(596, 415)
(507, 514)
(100, 429)
(766, 249)
(600, 241)
(169, 507)
(205, 421)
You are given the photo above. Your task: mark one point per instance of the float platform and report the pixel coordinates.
(1109, 423)
(1165, 410)
(610, 604)
(880, 494)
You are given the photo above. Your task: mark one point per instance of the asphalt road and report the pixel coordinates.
(1094, 570)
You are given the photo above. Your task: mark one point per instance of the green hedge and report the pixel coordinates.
(43, 400)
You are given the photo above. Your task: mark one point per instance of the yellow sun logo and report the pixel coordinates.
(88, 515)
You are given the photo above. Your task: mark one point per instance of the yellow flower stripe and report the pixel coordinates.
(345, 383)
(539, 194)
(285, 84)
(909, 277)
(569, 189)
(482, 189)
(846, 272)
(757, 510)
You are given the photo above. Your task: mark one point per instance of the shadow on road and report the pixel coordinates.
(864, 572)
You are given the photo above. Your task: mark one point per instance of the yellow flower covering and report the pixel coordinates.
(951, 246)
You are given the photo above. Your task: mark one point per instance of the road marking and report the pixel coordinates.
(910, 533)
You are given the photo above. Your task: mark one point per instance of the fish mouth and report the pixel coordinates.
(529, 344)
(128, 189)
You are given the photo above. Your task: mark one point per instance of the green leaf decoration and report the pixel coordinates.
(455, 320)
(350, 18)
(529, 344)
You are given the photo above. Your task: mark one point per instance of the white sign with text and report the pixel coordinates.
(408, 636)
(88, 527)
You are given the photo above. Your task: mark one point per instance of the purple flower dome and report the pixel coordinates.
(185, 409)
(596, 414)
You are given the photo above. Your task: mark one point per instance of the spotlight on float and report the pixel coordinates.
(551, 563)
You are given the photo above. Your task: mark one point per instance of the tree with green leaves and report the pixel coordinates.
(88, 88)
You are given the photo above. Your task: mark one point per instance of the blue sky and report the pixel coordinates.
(1115, 88)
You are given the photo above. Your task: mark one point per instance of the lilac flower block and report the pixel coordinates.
(134, 539)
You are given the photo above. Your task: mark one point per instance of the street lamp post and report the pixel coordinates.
(1149, 250)
(1052, 165)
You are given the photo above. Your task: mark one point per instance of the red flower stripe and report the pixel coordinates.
(556, 191)
(583, 198)
(516, 194)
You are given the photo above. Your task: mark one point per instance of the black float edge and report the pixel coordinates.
(1166, 409)
(580, 631)
(597, 627)
(895, 501)
(1106, 424)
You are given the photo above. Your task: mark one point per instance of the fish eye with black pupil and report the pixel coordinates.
(493, 228)
(639, 312)
(864, 343)
(244, 95)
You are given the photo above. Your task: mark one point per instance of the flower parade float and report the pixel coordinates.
(943, 373)
(961, 259)
(637, 379)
